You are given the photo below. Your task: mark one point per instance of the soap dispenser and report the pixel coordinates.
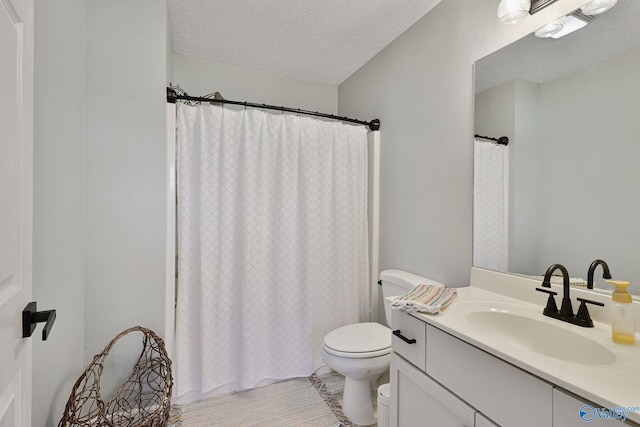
(622, 316)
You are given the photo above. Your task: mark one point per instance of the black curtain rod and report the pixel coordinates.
(173, 96)
(503, 140)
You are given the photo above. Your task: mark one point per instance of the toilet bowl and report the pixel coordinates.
(361, 353)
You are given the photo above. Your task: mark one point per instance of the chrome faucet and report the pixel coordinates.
(566, 310)
(592, 268)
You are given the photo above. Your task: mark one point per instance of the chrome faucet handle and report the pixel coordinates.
(551, 301)
(583, 314)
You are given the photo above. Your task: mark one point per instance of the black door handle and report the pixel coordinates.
(403, 338)
(31, 317)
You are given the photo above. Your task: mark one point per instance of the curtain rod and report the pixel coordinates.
(173, 96)
(503, 140)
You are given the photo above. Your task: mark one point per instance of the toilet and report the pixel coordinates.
(361, 352)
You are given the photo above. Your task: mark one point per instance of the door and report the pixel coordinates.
(16, 174)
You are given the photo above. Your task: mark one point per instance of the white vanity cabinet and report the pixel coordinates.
(416, 398)
(440, 380)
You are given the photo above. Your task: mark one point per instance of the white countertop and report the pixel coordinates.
(616, 384)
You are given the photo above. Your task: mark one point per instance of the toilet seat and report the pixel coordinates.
(359, 340)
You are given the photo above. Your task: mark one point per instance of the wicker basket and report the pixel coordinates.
(144, 399)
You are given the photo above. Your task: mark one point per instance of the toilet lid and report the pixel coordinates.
(359, 338)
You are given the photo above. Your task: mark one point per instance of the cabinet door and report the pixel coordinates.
(417, 400)
(570, 410)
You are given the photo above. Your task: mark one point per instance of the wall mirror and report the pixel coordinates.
(571, 109)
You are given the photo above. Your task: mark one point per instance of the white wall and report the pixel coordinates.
(125, 168)
(511, 109)
(169, 52)
(495, 113)
(199, 77)
(589, 127)
(420, 87)
(58, 258)
(99, 182)
(526, 187)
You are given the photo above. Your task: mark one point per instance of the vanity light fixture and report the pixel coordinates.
(511, 11)
(551, 28)
(563, 26)
(595, 7)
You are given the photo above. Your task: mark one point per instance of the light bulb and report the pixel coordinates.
(511, 11)
(595, 7)
(551, 28)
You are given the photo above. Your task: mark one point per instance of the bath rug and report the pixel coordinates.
(296, 402)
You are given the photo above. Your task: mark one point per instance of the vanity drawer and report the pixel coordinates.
(504, 393)
(410, 328)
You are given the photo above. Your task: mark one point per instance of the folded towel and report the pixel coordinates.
(430, 299)
(573, 281)
(559, 280)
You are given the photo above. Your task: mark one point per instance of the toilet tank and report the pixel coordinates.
(398, 282)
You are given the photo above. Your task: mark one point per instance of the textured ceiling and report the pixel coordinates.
(313, 40)
(610, 34)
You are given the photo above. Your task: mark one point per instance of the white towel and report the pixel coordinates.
(430, 299)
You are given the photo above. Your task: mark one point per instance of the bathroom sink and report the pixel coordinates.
(541, 337)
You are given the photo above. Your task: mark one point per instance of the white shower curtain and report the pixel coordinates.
(272, 244)
(490, 205)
